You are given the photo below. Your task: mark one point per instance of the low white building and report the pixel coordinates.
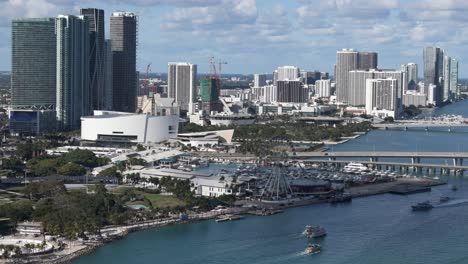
(148, 173)
(209, 138)
(212, 186)
(109, 126)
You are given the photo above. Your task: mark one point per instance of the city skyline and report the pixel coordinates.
(239, 31)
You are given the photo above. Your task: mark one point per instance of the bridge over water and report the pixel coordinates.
(375, 159)
(405, 125)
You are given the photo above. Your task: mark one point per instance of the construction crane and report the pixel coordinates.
(148, 69)
(220, 63)
(216, 74)
(145, 87)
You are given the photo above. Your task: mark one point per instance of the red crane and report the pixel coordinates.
(147, 82)
(216, 73)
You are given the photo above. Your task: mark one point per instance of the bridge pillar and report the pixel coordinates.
(455, 161)
(332, 158)
(460, 161)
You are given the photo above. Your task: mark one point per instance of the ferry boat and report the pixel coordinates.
(312, 249)
(355, 167)
(314, 232)
(424, 206)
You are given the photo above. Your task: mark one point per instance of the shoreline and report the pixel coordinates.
(121, 232)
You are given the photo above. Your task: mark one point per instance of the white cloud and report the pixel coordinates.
(27, 8)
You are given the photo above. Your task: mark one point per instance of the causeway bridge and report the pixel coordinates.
(405, 125)
(448, 161)
(430, 162)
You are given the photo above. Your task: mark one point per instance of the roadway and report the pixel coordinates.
(386, 163)
(381, 154)
(422, 124)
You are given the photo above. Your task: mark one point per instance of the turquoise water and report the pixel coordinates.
(378, 229)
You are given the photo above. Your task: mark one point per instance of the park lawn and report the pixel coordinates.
(163, 201)
(157, 200)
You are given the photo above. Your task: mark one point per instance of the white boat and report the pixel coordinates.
(356, 167)
(312, 249)
(313, 232)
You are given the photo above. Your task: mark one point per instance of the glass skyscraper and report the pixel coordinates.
(96, 56)
(33, 76)
(431, 67)
(33, 68)
(123, 33)
(73, 89)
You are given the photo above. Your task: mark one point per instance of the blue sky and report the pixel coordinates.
(256, 36)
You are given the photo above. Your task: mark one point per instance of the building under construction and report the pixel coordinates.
(210, 95)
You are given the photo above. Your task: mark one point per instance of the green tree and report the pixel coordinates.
(136, 161)
(12, 163)
(17, 211)
(43, 167)
(140, 147)
(83, 157)
(71, 169)
(27, 150)
(45, 189)
(110, 172)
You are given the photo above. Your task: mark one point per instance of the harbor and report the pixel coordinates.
(278, 238)
(367, 230)
(323, 187)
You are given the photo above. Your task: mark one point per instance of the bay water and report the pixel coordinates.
(377, 229)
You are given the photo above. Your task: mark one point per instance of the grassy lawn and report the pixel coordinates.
(157, 200)
(163, 201)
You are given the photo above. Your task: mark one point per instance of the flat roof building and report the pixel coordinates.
(121, 127)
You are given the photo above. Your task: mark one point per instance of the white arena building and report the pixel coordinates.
(110, 126)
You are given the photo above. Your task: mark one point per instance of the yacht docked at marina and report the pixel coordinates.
(354, 167)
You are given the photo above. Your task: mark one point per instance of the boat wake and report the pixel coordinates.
(452, 203)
